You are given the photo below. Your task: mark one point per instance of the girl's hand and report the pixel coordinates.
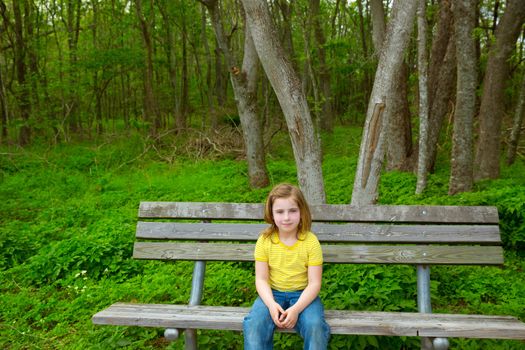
(289, 318)
(276, 311)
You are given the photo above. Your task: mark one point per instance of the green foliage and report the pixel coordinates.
(67, 221)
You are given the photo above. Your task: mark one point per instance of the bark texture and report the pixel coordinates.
(422, 64)
(399, 139)
(461, 163)
(288, 89)
(372, 151)
(441, 79)
(519, 114)
(492, 102)
(244, 82)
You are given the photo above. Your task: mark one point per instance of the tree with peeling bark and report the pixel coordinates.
(399, 132)
(244, 82)
(461, 163)
(289, 92)
(492, 109)
(373, 143)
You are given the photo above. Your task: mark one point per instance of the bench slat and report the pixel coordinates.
(341, 322)
(367, 254)
(484, 234)
(325, 212)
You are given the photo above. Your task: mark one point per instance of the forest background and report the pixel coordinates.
(107, 103)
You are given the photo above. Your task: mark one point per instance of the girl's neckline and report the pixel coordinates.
(280, 241)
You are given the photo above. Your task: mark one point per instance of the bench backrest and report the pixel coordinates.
(421, 235)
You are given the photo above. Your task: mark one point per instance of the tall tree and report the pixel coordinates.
(461, 164)
(4, 108)
(441, 80)
(399, 139)
(244, 82)
(4, 104)
(171, 55)
(373, 142)
(422, 64)
(209, 66)
(185, 101)
(72, 24)
(20, 50)
(150, 102)
(327, 117)
(519, 114)
(491, 112)
(97, 90)
(287, 87)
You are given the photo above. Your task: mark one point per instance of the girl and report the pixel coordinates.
(288, 270)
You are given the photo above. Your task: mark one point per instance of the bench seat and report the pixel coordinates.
(341, 322)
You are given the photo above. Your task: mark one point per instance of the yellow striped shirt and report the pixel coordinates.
(288, 265)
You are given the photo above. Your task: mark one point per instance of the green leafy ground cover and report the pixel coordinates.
(67, 220)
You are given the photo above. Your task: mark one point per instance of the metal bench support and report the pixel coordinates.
(197, 284)
(425, 306)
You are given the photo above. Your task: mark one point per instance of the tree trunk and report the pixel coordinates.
(171, 58)
(372, 151)
(150, 103)
(244, 82)
(209, 97)
(287, 87)
(327, 119)
(378, 24)
(4, 109)
(461, 163)
(442, 84)
(399, 131)
(184, 109)
(422, 63)
(74, 9)
(367, 78)
(399, 128)
(221, 84)
(96, 88)
(492, 107)
(286, 8)
(21, 70)
(516, 126)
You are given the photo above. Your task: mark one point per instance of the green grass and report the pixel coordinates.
(67, 221)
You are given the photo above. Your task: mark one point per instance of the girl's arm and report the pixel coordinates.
(265, 292)
(290, 316)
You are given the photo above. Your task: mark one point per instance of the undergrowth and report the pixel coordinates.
(67, 221)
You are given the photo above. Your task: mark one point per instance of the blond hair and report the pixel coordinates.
(286, 190)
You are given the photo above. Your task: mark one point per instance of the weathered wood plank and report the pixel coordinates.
(341, 322)
(325, 212)
(353, 254)
(372, 233)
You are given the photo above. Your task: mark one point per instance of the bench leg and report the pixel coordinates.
(190, 339)
(197, 283)
(425, 306)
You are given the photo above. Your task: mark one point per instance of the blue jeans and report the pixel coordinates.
(258, 326)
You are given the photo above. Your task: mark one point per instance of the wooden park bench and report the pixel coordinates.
(421, 236)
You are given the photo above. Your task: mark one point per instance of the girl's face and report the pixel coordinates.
(286, 215)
